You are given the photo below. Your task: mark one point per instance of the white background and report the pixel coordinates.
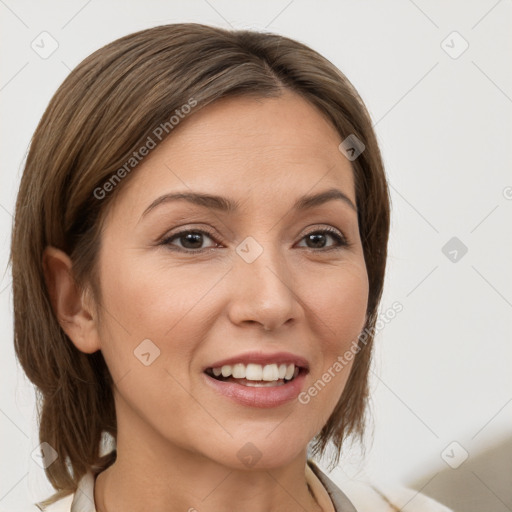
(442, 366)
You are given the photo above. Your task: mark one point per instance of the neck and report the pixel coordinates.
(202, 487)
(153, 474)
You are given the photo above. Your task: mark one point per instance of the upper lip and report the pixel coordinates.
(263, 359)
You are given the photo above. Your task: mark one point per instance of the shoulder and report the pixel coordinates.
(372, 496)
(362, 495)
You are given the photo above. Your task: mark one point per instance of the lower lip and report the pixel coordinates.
(262, 397)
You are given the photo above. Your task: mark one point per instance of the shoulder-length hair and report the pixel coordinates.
(103, 112)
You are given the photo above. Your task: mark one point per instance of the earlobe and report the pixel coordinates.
(71, 309)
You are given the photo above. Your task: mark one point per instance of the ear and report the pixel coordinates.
(73, 308)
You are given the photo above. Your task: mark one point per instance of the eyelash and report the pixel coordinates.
(340, 239)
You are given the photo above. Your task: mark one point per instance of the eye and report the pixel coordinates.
(191, 240)
(317, 239)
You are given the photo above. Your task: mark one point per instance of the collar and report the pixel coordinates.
(338, 498)
(83, 499)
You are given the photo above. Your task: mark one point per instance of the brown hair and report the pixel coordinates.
(104, 111)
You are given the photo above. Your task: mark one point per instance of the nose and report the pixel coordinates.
(262, 291)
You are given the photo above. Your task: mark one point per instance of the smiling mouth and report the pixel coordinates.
(256, 375)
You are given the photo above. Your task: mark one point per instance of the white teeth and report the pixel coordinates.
(252, 372)
(290, 370)
(238, 371)
(270, 372)
(257, 372)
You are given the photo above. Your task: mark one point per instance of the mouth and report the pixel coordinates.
(256, 375)
(258, 380)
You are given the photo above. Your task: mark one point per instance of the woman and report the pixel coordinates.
(198, 255)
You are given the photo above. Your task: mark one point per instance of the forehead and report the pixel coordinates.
(268, 146)
(259, 128)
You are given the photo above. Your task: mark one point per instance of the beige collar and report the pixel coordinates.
(319, 491)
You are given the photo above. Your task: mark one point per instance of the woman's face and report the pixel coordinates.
(189, 286)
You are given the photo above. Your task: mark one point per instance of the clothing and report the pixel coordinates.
(360, 496)
(355, 497)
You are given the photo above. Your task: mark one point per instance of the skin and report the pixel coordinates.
(177, 438)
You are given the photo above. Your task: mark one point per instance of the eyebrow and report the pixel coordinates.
(224, 204)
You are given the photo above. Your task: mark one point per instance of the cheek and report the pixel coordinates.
(150, 300)
(340, 300)
(147, 336)
(348, 318)
(163, 304)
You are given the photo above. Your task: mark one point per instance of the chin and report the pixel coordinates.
(258, 453)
